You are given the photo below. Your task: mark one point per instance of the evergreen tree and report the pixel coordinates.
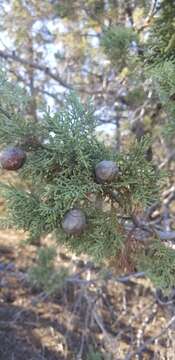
(74, 186)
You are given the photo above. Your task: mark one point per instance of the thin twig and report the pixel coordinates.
(153, 10)
(12, 56)
(7, 55)
(167, 160)
(142, 347)
(147, 319)
(84, 332)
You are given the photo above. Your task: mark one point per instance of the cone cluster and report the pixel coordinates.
(74, 221)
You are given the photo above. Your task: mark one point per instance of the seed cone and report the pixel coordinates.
(74, 222)
(12, 158)
(106, 171)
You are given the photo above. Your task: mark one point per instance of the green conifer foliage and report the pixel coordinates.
(160, 60)
(159, 265)
(117, 41)
(161, 42)
(43, 275)
(59, 175)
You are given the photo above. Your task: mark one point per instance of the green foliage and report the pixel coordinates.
(14, 125)
(159, 265)
(59, 172)
(116, 42)
(161, 44)
(65, 8)
(97, 355)
(160, 61)
(44, 276)
(163, 76)
(59, 175)
(101, 240)
(139, 175)
(169, 130)
(135, 96)
(11, 95)
(25, 211)
(94, 355)
(68, 9)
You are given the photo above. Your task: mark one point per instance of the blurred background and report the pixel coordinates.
(51, 47)
(98, 49)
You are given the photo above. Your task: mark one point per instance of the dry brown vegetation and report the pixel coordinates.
(121, 317)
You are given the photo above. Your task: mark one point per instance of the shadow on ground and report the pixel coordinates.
(19, 339)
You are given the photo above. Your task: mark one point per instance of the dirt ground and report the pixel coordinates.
(119, 320)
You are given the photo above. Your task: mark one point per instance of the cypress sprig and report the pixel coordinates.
(59, 175)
